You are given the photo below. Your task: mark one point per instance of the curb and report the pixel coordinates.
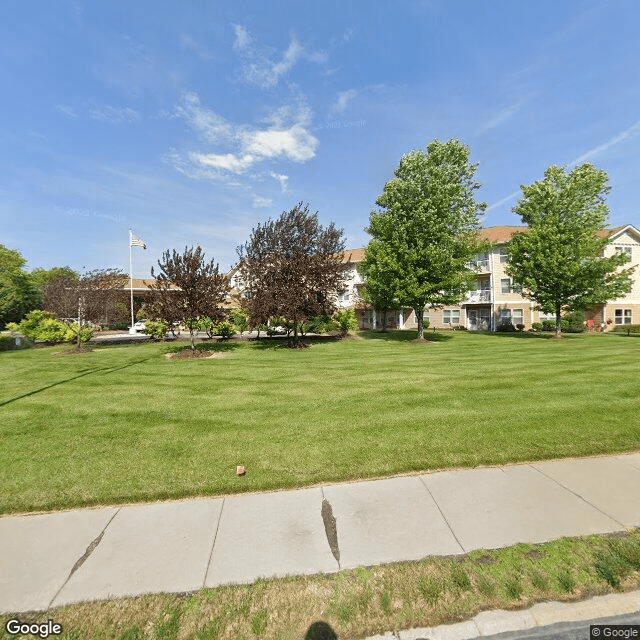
(488, 623)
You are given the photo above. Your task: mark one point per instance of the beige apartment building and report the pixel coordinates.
(494, 299)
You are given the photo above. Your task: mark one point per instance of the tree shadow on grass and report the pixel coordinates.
(85, 372)
(282, 342)
(405, 336)
(208, 346)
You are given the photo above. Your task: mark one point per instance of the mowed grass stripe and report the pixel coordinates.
(125, 424)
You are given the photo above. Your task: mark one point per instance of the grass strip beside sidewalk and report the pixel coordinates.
(365, 601)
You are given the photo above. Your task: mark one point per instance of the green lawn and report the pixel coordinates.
(124, 424)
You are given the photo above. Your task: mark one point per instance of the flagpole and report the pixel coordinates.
(131, 279)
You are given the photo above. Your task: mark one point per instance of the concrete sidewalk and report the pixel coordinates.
(53, 559)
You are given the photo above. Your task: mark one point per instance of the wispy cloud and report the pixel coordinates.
(344, 98)
(66, 110)
(503, 115)
(243, 146)
(259, 65)
(633, 130)
(504, 200)
(282, 179)
(116, 115)
(101, 113)
(259, 202)
(191, 44)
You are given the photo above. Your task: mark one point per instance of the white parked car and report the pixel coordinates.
(139, 326)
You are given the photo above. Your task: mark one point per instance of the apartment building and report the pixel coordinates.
(494, 299)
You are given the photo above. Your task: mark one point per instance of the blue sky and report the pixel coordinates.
(192, 121)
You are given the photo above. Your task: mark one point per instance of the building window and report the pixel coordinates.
(505, 285)
(451, 317)
(505, 316)
(547, 316)
(623, 316)
(517, 316)
(503, 255)
(627, 250)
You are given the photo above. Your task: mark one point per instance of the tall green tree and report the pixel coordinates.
(559, 261)
(426, 229)
(379, 292)
(42, 277)
(18, 293)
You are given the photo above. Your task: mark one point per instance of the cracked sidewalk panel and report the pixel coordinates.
(40, 551)
(330, 529)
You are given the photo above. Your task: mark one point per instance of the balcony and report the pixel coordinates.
(479, 266)
(478, 297)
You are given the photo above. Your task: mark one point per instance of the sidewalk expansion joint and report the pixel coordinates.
(604, 513)
(330, 528)
(83, 558)
(213, 544)
(455, 537)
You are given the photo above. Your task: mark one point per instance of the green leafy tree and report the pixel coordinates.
(42, 277)
(558, 262)
(18, 292)
(346, 320)
(379, 292)
(426, 230)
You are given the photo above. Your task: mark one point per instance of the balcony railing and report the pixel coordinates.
(478, 265)
(478, 296)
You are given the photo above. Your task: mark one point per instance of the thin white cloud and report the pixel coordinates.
(67, 111)
(117, 115)
(344, 97)
(503, 115)
(287, 138)
(504, 200)
(282, 179)
(633, 130)
(227, 162)
(259, 68)
(191, 44)
(243, 39)
(212, 126)
(260, 202)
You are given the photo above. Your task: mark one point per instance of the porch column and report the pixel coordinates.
(374, 315)
(400, 320)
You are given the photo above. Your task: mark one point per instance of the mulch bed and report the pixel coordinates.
(197, 354)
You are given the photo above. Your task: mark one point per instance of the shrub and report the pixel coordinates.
(520, 327)
(506, 326)
(225, 329)
(157, 329)
(536, 326)
(628, 328)
(240, 318)
(321, 324)
(42, 326)
(207, 325)
(347, 320)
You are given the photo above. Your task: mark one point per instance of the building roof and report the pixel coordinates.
(500, 235)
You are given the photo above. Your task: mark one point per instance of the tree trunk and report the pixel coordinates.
(193, 338)
(420, 323)
(558, 323)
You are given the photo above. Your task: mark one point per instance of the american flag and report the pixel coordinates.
(136, 242)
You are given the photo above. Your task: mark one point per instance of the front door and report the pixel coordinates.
(479, 319)
(472, 319)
